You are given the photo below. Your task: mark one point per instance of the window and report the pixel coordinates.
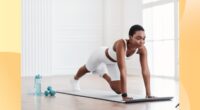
(149, 1)
(159, 21)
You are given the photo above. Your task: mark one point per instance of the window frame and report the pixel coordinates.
(176, 32)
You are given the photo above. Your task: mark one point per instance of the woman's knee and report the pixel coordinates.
(83, 68)
(116, 90)
(115, 86)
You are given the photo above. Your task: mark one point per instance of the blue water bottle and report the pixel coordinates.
(37, 85)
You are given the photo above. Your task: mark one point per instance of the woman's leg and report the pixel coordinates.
(75, 82)
(114, 85)
(82, 71)
(107, 78)
(90, 66)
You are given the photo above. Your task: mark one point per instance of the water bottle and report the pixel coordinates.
(37, 85)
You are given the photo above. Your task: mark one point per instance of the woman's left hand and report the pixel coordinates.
(150, 97)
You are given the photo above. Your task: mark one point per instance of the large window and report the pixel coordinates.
(160, 22)
(150, 1)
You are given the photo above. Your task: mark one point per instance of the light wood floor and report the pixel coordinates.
(160, 87)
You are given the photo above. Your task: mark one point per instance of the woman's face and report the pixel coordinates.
(138, 39)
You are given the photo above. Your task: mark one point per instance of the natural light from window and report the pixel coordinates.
(158, 22)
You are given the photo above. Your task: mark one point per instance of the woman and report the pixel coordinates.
(110, 64)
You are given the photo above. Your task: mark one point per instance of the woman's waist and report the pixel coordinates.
(110, 56)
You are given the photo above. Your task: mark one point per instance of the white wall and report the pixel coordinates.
(76, 28)
(36, 37)
(132, 15)
(113, 21)
(77, 31)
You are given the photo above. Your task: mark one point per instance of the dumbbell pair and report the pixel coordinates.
(49, 91)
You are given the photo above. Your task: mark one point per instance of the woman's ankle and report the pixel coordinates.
(76, 78)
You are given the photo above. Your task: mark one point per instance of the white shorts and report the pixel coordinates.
(99, 64)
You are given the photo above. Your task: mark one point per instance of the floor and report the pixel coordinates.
(160, 87)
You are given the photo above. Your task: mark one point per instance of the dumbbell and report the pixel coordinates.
(49, 91)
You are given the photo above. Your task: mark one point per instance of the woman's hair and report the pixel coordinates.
(135, 28)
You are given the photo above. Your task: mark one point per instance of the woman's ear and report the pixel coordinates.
(130, 36)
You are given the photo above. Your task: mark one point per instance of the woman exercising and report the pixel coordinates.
(110, 64)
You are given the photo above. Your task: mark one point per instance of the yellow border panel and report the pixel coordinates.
(189, 54)
(10, 96)
(10, 22)
(10, 30)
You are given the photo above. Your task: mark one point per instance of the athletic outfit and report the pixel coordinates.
(98, 62)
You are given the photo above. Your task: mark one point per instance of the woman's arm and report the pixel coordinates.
(120, 51)
(145, 69)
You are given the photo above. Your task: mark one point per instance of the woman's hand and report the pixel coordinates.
(150, 96)
(127, 98)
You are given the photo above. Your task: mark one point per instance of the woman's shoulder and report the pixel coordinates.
(142, 50)
(120, 41)
(119, 44)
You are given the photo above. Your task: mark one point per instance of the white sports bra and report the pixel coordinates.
(113, 54)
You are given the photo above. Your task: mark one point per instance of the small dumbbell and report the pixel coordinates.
(49, 91)
(46, 93)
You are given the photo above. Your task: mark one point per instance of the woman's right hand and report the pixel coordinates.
(127, 98)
